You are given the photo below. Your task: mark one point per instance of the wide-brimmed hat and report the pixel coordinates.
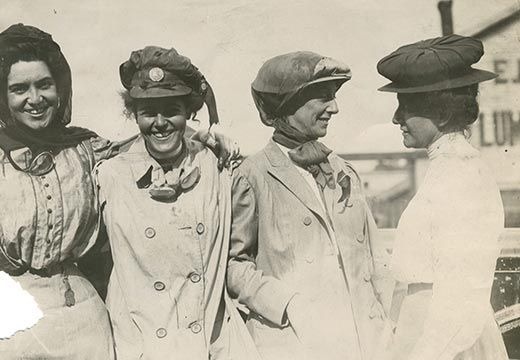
(155, 72)
(284, 77)
(434, 64)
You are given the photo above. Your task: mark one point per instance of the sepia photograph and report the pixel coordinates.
(264, 180)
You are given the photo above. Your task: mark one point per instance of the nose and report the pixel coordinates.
(160, 120)
(34, 96)
(332, 107)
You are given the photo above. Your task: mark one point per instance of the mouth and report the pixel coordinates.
(162, 135)
(36, 113)
(324, 121)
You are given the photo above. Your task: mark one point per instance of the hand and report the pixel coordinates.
(224, 147)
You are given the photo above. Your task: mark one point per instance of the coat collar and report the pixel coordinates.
(283, 169)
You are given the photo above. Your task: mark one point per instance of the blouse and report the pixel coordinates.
(448, 236)
(45, 220)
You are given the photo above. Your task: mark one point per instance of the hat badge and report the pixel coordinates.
(156, 74)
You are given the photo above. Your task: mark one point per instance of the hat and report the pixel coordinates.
(155, 72)
(286, 76)
(435, 64)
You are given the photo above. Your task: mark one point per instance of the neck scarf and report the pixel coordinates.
(306, 152)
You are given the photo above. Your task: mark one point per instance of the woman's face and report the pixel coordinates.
(162, 122)
(418, 131)
(312, 118)
(32, 96)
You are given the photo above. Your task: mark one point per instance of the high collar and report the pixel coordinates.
(451, 143)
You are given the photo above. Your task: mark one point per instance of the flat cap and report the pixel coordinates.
(283, 77)
(434, 64)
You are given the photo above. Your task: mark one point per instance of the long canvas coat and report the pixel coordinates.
(282, 243)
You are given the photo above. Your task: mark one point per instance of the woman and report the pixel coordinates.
(167, 213)
(446, 241)
(49, 213)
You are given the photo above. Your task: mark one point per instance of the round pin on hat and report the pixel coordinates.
(156, 74)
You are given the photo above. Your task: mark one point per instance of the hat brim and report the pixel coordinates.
(473, 77)
(138, 92)
(339, 79)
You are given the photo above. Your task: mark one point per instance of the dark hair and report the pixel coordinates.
(457, 107)
(13, 51)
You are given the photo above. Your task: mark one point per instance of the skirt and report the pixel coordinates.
(410, 325)
(80, 331)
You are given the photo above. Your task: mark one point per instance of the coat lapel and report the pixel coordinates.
(285, 171)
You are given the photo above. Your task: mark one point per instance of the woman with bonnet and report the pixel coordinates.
(49, 216)
(167, 211)
(446, 242)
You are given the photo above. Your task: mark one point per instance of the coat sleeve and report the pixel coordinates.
(260, 293)
(465, 228)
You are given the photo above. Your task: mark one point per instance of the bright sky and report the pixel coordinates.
(229, 40)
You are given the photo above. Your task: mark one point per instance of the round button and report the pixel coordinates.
(200, 228)
(47, 256)
(49, 211)
(159, 286)
(161, 332)
(149, 232)
(42, 177)
(360, 238)
(309, 259)
(307, 221)
(49, 197)
(196, 327)
(367, 277)
(46, 185)
(48, 241)
(50, 226)
(194, 277)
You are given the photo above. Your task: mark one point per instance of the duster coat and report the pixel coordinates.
(284, 242)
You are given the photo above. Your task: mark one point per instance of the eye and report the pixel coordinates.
(147, 112)
(18, 89)
(172, 111)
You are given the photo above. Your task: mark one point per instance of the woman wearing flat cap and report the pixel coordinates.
(302, 235)
(167, 211)
(446, 242)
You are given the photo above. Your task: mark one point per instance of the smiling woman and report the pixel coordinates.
(32, 96)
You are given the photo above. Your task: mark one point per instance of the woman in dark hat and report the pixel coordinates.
(49, 216)
(446, 242)
(167, 211)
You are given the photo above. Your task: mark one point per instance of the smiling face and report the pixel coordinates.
(418, 132)
(312, 118)
(162, 122)
(32, 96)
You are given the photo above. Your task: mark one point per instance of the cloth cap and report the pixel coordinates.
(286, 76)
(434, 64)
(155, 72)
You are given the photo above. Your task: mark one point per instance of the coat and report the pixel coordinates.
(166, 294)
(283, 243)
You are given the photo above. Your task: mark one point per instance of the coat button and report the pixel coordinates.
(307, 221)
(46, 185)
(367, 277)
(194, 277)
(200, 228)
(360, 238)
(50, 226)
(49, 211)
(195, 327)
(161, 332)
(49, 197)
(159, 286)
(149, 232)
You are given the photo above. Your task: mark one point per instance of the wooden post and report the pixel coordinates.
(446, 16)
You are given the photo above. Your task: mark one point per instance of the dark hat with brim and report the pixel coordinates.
(435, 64)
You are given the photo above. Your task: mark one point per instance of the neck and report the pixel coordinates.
(172, 160)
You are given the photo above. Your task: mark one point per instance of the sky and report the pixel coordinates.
(229, 40)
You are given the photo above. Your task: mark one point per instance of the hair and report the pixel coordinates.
(12, 52)
(451, 110)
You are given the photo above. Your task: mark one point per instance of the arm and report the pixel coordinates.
(262, 294)
(225, 148)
